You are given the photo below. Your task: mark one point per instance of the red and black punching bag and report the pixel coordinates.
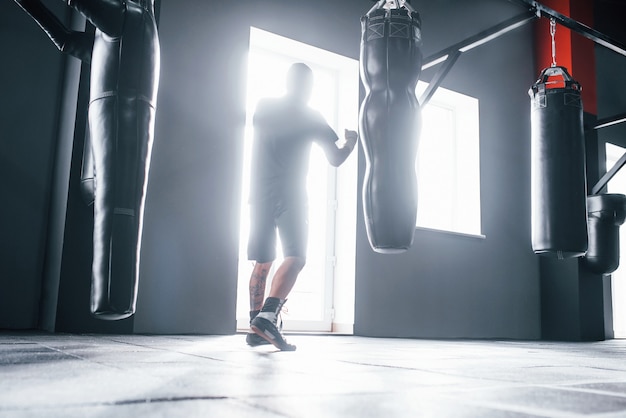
(606, 213)
(558, 180)
(389, 121)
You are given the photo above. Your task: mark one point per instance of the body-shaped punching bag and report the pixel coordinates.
(558, 180)
(606, 213)
(389, 120)
(125, 63)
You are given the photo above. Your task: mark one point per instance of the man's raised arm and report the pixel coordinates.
(337, 155)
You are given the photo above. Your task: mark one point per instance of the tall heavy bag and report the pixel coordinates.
(606, 213)
(389, 122)
(558, 185)
(121, 129)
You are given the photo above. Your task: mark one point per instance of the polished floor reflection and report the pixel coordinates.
(59, 375)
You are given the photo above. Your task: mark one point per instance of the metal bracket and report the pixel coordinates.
(603, 123)
(609, 175)
(435, 82)
(610, 121)
(576, 26)
(480, 38)
(450, 55)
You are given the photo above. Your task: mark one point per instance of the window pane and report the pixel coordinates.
(618, 277)
(448, 163)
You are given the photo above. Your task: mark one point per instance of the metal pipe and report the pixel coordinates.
(568, 22)
(480, 38)
(435, 82)
(609, 175)
(613, 120)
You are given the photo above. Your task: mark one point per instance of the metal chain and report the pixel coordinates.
(394, 4)
(552, 33)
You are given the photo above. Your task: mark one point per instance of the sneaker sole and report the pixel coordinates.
(271, 338)
(253, 340)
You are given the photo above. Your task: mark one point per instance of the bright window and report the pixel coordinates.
(448, 163)
(323, 297)
(618, 277)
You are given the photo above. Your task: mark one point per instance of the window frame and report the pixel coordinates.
(463, 165)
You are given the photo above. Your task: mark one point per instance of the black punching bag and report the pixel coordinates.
(606, 213)
(124, 55)
(558, 182)
(123, 91)
(389, 120)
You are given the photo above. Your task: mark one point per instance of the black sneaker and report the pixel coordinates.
(268, 331)
(254, 340)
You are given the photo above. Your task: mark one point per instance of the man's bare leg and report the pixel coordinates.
(258, 279)
(285, 277)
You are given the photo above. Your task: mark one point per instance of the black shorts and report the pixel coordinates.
(292, 223)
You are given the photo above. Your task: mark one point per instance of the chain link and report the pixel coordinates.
(552, 35)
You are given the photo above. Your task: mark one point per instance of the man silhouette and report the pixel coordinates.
(284, 130)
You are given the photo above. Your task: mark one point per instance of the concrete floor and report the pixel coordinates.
(59, 375)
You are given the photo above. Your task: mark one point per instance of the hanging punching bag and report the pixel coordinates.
(124, 81)
(390, 65)
(606, 213)
(124, 55)
(558, 182)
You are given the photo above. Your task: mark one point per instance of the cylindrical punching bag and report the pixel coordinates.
(389, 122)
(558, 180)
(124, 57)
(606, 213)
(123, 98)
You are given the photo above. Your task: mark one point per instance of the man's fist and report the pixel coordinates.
(351, 138)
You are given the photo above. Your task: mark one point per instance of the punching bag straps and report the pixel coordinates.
(546, 78)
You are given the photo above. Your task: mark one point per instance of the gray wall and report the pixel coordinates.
(610, 72)
(31, 77)
(445, 286)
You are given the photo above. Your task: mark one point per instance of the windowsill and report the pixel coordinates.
(443, 231)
